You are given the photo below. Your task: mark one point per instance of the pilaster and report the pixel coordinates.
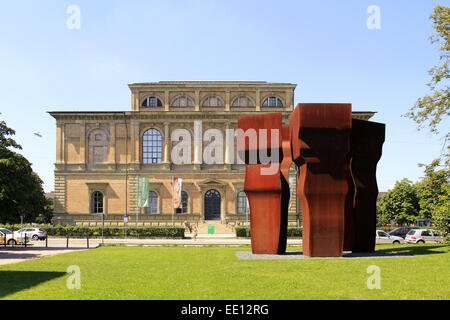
(60, 143)
(132, 194)
(197, 100)
(227, 100)
(166, 155)
(258, 100)
(198, 137)
(112, 143)
(166, 100)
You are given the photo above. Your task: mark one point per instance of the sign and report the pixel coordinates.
(211, 229)
(176, 192)
(125, 218)
(143, 192)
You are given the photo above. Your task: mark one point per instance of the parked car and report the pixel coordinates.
(33, 233)
(383, 237)
(11, 238)
(423, 236)
(401, 232)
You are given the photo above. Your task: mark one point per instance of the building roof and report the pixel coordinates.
(211, 84)
(225, 82)
(202, 82)
(186, 115)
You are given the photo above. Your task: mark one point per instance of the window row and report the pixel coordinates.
(212, 101)
(97, 200)
(152, 146)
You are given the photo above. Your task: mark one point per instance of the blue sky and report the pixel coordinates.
(323, 46)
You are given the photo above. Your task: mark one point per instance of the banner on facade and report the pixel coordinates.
(176, 192)
(143, 192)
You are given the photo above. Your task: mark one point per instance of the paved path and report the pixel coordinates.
(202, 240)
(15, 255)
(38, 249)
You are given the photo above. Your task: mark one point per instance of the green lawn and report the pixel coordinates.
(216, 273)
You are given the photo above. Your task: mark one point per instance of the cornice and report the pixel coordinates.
(209, 85)
(168, 116)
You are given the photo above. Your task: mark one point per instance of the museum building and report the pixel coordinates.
(100, 155)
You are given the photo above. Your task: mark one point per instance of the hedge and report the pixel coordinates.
(244, 232)
(82, 231)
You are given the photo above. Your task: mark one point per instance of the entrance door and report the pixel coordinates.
(212, 205)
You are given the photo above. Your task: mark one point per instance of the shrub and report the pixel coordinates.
(294, 232)
(243, 232)
(83, 231)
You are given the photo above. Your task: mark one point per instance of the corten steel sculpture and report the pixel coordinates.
(286, 194)
(349, 225)
(320, 141)
(366, 142)
(267, 192)
(337, 158)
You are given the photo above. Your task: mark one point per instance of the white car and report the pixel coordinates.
(383, 237)
(422, 236)
(10, 238)
(32, 233)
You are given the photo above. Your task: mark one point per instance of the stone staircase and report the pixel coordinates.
(219, 227)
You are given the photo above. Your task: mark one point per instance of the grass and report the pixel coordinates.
(172, 272)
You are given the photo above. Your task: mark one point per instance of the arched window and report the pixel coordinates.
(97, 202)
(182, 101)
(184, 203)
(243, 101)
(272, 101)
(242, 203)
(98, 146)
(151, 146)
(212, 101)
(153, 203)
(151, 101)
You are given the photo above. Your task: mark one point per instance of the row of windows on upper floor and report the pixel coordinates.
(152, 146)
(213, 101)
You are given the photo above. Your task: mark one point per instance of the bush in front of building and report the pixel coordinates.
(244, 232)
(83, 231)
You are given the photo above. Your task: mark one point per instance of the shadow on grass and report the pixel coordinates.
(418, 249)
(14, 281)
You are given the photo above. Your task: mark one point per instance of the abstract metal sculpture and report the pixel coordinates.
(320, 135)
(267, 190)
(366, 143)
(337, 158)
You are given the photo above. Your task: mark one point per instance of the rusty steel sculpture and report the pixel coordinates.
(266, 186)
(366, 142)
(337, 158)
(324, 139)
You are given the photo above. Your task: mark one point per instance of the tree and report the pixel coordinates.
(441, 216)
(21, 192)
(5, 141)
(400, 204)
(433, 192)
(433, 108)
(47, 215)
